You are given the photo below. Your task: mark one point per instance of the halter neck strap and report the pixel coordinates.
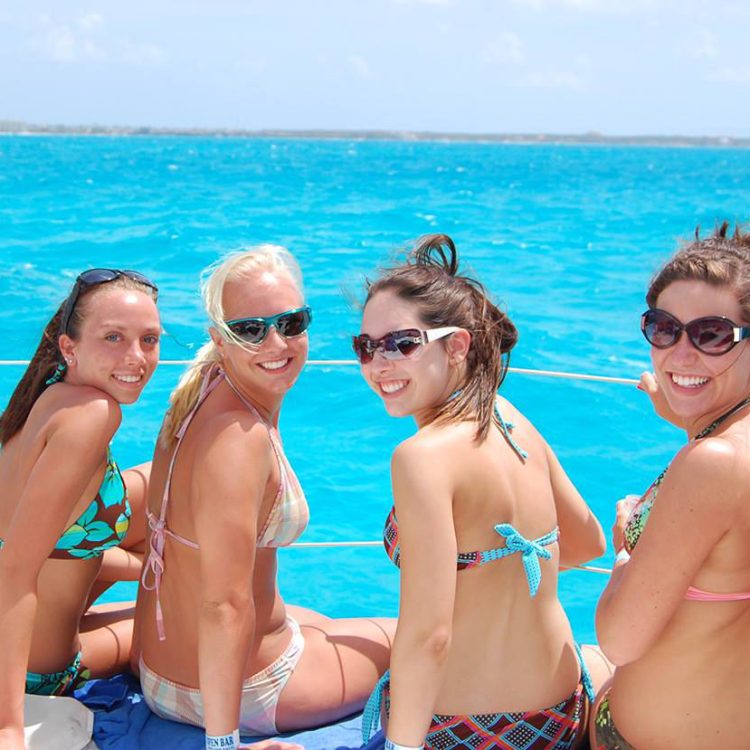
(723, 418)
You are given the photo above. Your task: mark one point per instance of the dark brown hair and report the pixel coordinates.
(720, 260)
(48, 356)
(430, 279)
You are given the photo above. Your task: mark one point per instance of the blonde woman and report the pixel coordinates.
(219, 648)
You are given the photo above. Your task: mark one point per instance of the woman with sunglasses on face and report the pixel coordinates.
(218, 647)
(484, 516)
(65, 506)
(675, 616)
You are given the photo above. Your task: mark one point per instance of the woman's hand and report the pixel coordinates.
(623, 510)
(272, 745)
(649, 385)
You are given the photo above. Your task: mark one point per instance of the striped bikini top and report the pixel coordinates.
(640, 513)
(103, 524)
(285, 522)
(531, 550)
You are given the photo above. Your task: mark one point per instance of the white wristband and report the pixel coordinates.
(224, 741)
(391, 745)
(622, 556)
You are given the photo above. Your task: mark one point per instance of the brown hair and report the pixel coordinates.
(430, 279)
(48, 358)
(719, 260)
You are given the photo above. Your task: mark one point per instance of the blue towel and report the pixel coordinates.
(123, 721)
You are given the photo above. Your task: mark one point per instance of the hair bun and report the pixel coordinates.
(437, 250)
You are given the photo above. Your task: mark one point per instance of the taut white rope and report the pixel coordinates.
(354, 363)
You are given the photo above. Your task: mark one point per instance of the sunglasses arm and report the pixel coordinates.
(438, 333)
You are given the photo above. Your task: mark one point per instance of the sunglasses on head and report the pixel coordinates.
(397, 344)
(94, 277)
(289, 324)
(713, 335)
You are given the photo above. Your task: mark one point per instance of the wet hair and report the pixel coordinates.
(721, 260)
(430, 280)
(47, 358)
(241, 264)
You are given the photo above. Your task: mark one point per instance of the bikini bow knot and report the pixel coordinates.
(531, 550)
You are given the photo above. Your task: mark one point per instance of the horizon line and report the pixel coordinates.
(21, 127)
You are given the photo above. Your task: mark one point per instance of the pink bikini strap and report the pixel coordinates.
(157, 524)
(699, 595)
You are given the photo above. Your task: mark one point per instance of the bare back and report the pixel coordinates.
(511, 650)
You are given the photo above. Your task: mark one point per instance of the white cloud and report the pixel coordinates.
(139, 53)
(360, 66)
(90, 22)
(83, 40)
(603, 6)
(553, 79)
(702, 46)
(731, 74)
(507, 47)
(423, 2)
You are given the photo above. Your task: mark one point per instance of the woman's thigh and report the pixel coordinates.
(106, 636)
(338, 669)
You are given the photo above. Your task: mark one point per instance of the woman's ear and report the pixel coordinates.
(218, 339)
(67, 349)
(458, 346)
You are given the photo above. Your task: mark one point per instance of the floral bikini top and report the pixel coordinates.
(640, 513)
(103, 524)
(531, 550)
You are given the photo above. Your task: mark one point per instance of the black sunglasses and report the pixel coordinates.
(289, 324)
(94, 277)
(713, 335)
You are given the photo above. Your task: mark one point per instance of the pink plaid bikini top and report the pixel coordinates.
(285, 522)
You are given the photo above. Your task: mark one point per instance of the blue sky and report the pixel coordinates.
(555, 66)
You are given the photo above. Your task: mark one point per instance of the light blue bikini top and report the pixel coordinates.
(531, 550)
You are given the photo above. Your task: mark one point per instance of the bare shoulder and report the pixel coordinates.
(83, 413)
(510, 413)
(234, 442)
(714, 470)
(433, 449)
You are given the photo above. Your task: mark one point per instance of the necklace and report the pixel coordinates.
(708, 430)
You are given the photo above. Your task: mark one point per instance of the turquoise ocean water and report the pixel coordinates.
(566, 237)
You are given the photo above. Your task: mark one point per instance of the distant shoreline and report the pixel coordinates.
(14, 127)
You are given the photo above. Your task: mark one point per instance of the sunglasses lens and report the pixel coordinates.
(294, 323)
(660, 329)
(711, 335)
(361, 349)
(406, 346)
(98, 276)
(251, 331)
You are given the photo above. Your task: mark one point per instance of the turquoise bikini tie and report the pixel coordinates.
(531, 550)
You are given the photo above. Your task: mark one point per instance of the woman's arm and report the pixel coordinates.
(227, 490)
(581, 534)
(74, 451)
(695, 506)
(423, 492)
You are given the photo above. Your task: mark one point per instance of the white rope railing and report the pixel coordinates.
(353, 362)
